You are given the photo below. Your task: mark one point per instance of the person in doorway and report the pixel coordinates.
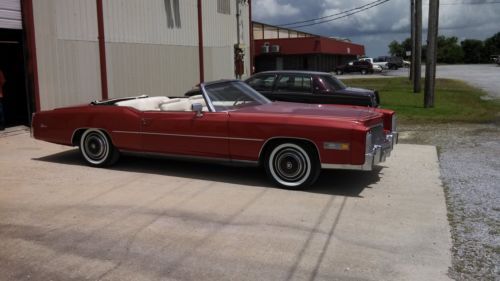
(2, 117)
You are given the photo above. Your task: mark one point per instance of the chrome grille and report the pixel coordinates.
(377, 134)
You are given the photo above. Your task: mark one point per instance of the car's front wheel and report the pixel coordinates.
(339, 72)
(97, 149)
(363, 71)
(293, 165)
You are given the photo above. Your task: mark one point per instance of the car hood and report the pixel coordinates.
(355, 91)
(344, 112)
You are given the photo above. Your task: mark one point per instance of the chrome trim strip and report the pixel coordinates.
(194, 158)
(187, 136)
(377, 155)
(341, 166)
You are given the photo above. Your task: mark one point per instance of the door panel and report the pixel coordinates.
(186, 134)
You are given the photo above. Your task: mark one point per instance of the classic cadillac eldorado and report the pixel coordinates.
(228, 122)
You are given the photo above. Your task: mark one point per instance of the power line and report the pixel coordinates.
(344, 16)
(329, 16)
(466, 3)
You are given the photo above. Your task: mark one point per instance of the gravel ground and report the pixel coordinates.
(469, 157)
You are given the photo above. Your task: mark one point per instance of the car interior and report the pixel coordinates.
(163, 103)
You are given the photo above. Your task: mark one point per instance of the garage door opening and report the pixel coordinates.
(16, 103)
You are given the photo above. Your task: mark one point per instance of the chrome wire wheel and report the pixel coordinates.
(95, 147)
(289, 165)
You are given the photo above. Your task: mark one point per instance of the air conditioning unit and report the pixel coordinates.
(265, 48)
(275, 48)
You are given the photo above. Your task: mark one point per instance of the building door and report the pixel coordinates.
(16, 103)
(279, 63)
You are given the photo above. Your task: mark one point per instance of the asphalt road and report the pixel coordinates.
(483, 76)
(156, 219)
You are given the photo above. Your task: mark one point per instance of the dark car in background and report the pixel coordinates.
(392, 62)
(310, 87)
(363, 67)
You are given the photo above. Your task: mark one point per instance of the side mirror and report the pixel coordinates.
(198, 108)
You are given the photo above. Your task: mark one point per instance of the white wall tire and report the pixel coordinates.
(292, 166)
(97, 149)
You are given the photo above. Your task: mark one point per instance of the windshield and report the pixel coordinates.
(334, 82)
(232, 95)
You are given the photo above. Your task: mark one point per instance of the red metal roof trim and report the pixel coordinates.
(311, 45)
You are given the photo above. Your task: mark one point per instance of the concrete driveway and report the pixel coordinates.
(155, 219)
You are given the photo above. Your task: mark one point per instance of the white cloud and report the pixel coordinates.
(376, 27)
(273, 8)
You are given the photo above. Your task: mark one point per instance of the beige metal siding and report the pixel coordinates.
(219, 63)
(139, 21)
(257, 31)
(10, 14)
(219, 37)
(151, 69)
(283, 33)
(68, 65)
(146, 55)
(146, 52)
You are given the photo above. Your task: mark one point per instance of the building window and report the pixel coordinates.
(224, 7)
(173, 13)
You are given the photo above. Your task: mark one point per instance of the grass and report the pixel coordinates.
(455, 101)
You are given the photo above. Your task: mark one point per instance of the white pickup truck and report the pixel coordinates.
(382, 64)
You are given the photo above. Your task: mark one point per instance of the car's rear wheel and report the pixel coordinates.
(292, 165)
(97, 149)
(339, 72)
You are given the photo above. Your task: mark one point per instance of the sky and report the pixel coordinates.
(375, 28)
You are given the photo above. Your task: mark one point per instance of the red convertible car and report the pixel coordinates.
(229, 122)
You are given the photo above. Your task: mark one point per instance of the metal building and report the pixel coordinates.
(81, 50)
(278, 48)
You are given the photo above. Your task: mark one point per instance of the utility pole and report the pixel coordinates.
(417, 48)
(430, 67)
(412, 17)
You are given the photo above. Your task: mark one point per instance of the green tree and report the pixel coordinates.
(472, 50)
(396, 49)
(491, 47)
(399, 49)
(449, 51)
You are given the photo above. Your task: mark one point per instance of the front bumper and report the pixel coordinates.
(377, 155)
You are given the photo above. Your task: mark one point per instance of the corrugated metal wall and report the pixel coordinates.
(10, 14)
(67, 52)
(144, 54)
(151, 47)
(220, 35)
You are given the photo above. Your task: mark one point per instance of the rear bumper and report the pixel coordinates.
(377, 155)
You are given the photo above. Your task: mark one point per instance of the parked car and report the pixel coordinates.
(229, 122)
(374, 62)
(377, 68)
(310, 87)
(363, 67)
(391, 62)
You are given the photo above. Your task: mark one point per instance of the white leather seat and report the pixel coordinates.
(145, 104)
(177, 104)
